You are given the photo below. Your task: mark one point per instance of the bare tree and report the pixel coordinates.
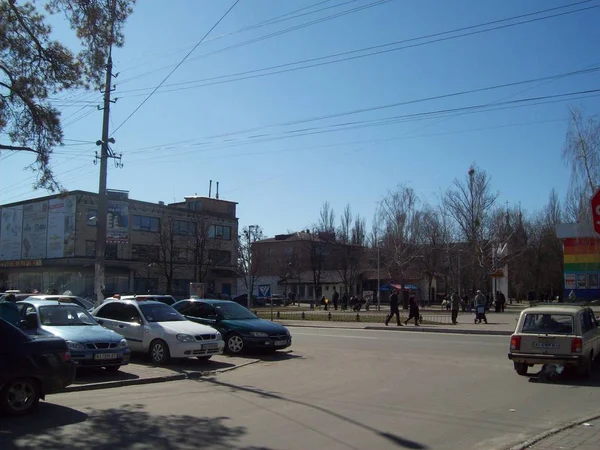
(400, 219)
(201, 244)
(250, 258)
(358, 233)
(582, 153)
(170, 255)
(326, 219)
(317, 248)
(433, 244)
(344, 230)
(469, 203)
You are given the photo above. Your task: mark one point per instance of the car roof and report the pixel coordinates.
(540, 309)
(133, 301)
(43, 302)
(212, 301)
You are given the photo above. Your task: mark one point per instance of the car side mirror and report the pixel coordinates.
(24, 324)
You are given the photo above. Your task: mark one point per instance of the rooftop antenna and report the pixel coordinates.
(217, 197)
(209, 188)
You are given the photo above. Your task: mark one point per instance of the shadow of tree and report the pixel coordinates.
(128, 427)
(184, 364)
(393, 438)
(86, 376)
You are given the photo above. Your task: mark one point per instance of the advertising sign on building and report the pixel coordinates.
(61, 227)
(570, 281)
(117, 225)
(581, 281)
(35, 222)
(11, 233)
(197, 290)
(593, 281)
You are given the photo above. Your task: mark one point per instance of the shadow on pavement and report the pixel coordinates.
(393, 438)
(569, 377)
(129, 427)
(269, 355)
(184, 364)
(86, 376)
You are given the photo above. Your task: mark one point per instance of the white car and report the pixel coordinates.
(159, 330)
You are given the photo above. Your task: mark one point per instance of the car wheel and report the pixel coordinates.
(159, 352)
(204, 358)
(112, 369)
(235, 343)
(521, 368)
(19, 396)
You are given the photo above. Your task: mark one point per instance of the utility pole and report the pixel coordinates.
(105, 153)
(249, 295)
(378, 279)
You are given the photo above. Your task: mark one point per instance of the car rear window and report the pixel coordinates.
(548, 324)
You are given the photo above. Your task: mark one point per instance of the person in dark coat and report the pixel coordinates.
(394, 309)
(336, 298)
(345, 301)
(413, 311)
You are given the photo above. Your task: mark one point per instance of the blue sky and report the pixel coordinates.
(234, 132)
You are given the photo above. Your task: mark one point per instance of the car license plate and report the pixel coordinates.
(545, 345)
(209, 346)
(106, 356)
(280, 342)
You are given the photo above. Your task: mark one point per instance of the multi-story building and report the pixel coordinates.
(50, 243)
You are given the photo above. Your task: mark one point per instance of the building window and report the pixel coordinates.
(144, 252)
(219, 232)
(91, 218)
(145, 223)
(183, 228)
(180, 254)
(231, 210)
(288, 251)
(111, 251)
(220, 257)
(90, 248)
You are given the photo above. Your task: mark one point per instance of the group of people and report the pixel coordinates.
(344, 301)
(413, 310)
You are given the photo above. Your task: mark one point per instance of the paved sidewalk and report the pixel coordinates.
(584, 436)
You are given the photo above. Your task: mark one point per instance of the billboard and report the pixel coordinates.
(117, 222)
(570, 281)
(61, 227)
(35, 222)
(11, 233)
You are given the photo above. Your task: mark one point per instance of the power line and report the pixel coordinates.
(175, 68)
(277, 33)
(374, 50)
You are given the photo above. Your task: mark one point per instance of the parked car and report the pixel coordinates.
(63, 299)
(18, 296)
(567, 335)
(159, 330)
(91, 345)
(239, 326)
(32, 367)
(243, 300)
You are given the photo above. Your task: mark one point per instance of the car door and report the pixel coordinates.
(594, 332)
(130, 326)
(203, 313)
(31, 321)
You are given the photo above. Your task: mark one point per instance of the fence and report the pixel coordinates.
(367, 317)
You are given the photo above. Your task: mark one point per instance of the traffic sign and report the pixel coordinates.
(596, 211)
(264, 290)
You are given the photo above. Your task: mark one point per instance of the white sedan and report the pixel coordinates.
(159, 330)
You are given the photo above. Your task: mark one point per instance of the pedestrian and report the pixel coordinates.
(324, 302)
(393, 309)
(480, 304)
(413, 310)
(345, 301)
(572, 296)
(502, 301)
(9, 310)
(336, 298)
(447, 303)
(455, 300)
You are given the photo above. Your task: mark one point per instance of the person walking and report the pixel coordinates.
(336, 298)
(455, 301)
(480, 306)
(502, 301)
(393, 309)
(345, 301)
(413, 310)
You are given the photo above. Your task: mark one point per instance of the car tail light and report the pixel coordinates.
(576, 345)
(515, 342)
(66, 356)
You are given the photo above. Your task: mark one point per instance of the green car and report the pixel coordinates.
(241, 329)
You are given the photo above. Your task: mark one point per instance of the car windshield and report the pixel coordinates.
(65, 315)
(233, 311)
(548, 324)
(160, 313)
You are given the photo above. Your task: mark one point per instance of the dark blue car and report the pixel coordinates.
(240, 328)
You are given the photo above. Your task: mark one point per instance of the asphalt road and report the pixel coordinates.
(337, 389)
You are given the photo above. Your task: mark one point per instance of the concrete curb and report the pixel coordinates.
(540, 437)
(153, 380)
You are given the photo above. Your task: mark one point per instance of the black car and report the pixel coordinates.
(30, 368)
(240, 328)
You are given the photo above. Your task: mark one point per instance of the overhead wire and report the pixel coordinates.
(175, 68)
